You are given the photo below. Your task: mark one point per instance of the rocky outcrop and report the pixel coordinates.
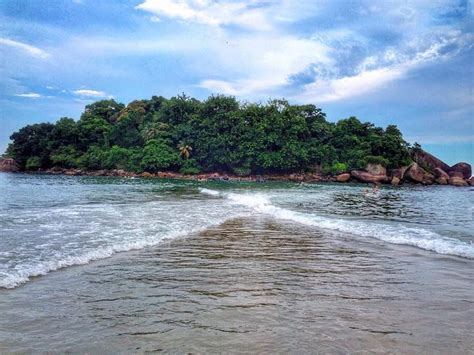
(376, 169)
(343, 177)
(440, 173)
(463, 170)
(364, 176)
(398, 173)
(414, 173)
(456, 181)
(8, 165)
(442, 180)
(429, 161)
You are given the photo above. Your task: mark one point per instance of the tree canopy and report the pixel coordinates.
(218, 134)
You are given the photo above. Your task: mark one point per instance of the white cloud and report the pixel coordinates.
(90, 93)
(260, 63)
(31, 95)
(212, 13)
(29, 49)
(379, 70)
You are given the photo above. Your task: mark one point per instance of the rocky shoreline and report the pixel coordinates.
(433, 172)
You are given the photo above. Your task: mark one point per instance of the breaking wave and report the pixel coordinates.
(395, 234)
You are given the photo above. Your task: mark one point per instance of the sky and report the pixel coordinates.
(407, 62)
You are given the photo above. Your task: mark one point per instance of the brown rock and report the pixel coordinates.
(414, 173)
(441, 180)
(8, 165)
(428, 179)
(456, 174)
(146, 174)
(376, 169)
(343, 177)
(296, 177)
(438, 172)
(399, 172)
(395, 181)
(471, 181)
(456, 181)
(364, 176)
(429, 161)
(463, 168)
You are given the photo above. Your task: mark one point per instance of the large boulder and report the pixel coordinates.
(428, 179)
(441, 180)
(8, 165)
(428, 160)
(364, 176)
(343, 177)
(399, 172)
(376, 169)
(414, 173)
(456, 181)
(471, 181)
(440, 173)
(456, 174)
(463, 168)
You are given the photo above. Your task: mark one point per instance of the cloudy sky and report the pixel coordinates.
(406, 62)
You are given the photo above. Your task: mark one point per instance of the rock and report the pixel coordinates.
(72, 172)
(438, 172)
(441, 180)
(471, 181)
(395, 181)
(376, 169)
(8, 165)
(463, 168)
(343, 177)
(146, 174)
(428, 179)
(367, 177)
(296, 177)
(429, 161)
(456, 181)
(414, 173)
(456, 174)
(398, 173)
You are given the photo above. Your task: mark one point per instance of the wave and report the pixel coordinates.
(18, 277)
(395, 234)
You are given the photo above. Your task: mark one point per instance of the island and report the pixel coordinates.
(222, 138)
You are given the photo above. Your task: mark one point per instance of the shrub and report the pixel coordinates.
(33, 163)
(374, 159)
(190, 167)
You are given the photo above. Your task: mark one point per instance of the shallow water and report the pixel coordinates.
(238, 267)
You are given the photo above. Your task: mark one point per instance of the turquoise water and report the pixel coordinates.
(112, 265)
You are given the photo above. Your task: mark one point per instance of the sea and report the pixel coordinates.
(122, 265)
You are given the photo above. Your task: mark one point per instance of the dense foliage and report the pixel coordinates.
(218, 134)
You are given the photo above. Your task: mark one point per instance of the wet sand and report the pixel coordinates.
(251, 285)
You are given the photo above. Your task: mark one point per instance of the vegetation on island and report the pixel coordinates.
(220, 134)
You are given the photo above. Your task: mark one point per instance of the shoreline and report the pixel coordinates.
(311, 178)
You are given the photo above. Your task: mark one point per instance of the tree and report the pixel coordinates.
(184, 150)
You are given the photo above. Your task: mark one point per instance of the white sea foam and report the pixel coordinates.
(25, 272)
(390, 233)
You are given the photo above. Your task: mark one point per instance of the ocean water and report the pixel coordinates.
(134, 265)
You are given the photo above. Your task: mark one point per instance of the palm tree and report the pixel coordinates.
(184, 150)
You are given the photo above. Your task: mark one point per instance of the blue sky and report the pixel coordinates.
(406, 62)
